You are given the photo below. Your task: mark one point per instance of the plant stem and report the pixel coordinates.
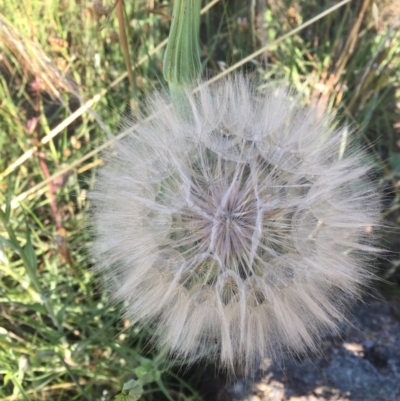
(182, 66)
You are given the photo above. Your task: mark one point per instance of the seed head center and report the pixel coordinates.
(231, 228)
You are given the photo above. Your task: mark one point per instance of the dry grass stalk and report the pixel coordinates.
(34, 61)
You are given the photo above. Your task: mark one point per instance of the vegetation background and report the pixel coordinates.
(63, 88)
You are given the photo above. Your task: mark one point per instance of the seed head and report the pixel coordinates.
(238, 231)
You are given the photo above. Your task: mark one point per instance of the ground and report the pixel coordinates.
(360, 364)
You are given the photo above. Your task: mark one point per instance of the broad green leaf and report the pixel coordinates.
(131, 391)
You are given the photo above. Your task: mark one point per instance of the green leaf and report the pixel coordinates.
(20, 388)
(29, 251)
(7, 378)
(121, 397)
(8, 202)
(131, 391)
(131, 385)
(145, 366)
(147, 372)
(3, 216)
(9, 244)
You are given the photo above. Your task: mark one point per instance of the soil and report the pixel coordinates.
(360, 364)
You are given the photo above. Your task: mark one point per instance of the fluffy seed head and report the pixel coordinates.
(238, 231)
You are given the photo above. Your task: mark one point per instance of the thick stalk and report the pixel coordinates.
(182, 66)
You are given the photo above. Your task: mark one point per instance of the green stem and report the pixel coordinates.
(182, 66)
(125, 50)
